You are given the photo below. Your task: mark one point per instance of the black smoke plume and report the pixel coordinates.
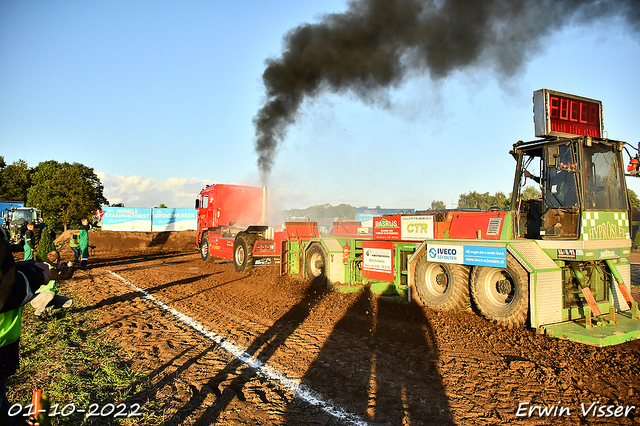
(374, 45)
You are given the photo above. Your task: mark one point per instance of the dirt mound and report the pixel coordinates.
(118, 240)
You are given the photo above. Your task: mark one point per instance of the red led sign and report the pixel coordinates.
(558, 113)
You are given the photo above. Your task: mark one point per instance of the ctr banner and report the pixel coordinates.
(174, 220)
(126, 219)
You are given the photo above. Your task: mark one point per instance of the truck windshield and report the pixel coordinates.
(561, 188)
(603, 185)
(21, 215)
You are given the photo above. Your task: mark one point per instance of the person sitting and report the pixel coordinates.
(47, 297)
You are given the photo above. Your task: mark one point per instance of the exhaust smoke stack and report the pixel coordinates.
(264, 205)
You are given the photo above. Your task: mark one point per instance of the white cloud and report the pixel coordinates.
(141, 191)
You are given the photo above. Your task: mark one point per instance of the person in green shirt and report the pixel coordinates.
(47, 297)
(18, 284)
(75, 247)
(30, 241)
(83, 242)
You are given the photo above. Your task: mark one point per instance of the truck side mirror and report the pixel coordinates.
(197, 203)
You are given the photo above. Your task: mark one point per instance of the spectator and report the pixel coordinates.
(30, 244)
(75, 247)
(18, 283)
(47, 297)
(83, 242)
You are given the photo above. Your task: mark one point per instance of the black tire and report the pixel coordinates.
(316, 264)
(204, 250)
(502, 295)
(442, 286)
(243, 252)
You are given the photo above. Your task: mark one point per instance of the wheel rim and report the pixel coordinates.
(436, 280)
(316, 264)
(499, 288)
(240, 255)
(205, 249)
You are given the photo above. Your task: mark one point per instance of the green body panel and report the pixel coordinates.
(626, 330)
(544, 260)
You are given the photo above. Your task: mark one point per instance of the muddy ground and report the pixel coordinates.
(360, 358)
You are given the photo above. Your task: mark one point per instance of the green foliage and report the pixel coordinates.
(75, 363)
(636, 240)
(633, 199)
(531, 193)
(65, 193)
(162, 206)
(438, 205)
(45, 245)
(325, 211)
(475, 200)
(15, 180)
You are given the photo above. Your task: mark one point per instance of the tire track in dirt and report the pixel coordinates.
(244, 356)
(388, 363)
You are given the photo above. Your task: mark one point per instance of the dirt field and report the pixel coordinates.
(359, 359)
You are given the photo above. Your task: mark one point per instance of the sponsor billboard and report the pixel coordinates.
(377, 260)
(468, 255)
(126, 219)
(406, 228)
(173, 220)
(485, 256)
(445, 253)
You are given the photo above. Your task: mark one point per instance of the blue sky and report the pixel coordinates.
(158, 98)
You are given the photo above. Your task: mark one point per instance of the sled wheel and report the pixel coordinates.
(316, 264)
(502, 295)
(443, 286)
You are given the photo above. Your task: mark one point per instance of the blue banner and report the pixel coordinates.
(174, 219)
(485, 256)
(126, 219)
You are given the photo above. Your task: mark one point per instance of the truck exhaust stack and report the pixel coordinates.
(264, 205)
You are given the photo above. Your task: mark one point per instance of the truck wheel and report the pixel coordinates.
(243, 252)
(204, 250)
(502, 295)
(316, 264)
(443, 286)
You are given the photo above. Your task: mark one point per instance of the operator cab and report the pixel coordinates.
(569, 176)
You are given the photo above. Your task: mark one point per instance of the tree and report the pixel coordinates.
(45, 245)
(15, 180)
(162, 206)
(475, 200)
(531, 193)
(325, 211)
(438, 205)
(633, 199)
(65, 193)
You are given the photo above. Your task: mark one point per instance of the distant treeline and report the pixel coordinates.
(324, 211)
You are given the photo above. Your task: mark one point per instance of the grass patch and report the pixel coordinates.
(73, 360)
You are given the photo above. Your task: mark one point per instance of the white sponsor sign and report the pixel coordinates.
(445, 253)
(416, 228)
(376, 259)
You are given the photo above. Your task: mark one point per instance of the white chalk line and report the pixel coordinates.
(299, 390)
